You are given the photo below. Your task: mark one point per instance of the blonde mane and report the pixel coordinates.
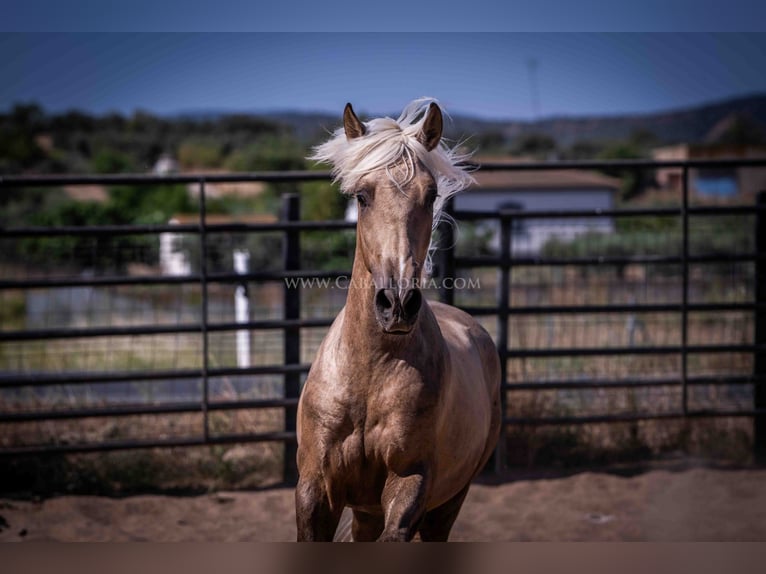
(388, 142)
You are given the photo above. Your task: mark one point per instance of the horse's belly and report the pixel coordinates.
(466, 432)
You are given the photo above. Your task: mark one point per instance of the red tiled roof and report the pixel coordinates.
(193, 218)
(559, 179)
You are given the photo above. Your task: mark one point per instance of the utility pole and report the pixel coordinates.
(533, 88)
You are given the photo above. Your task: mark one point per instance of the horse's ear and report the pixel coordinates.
(431, 134)
(351, 124)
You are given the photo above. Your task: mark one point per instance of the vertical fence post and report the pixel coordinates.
(291, 309)
(503, 303)
(204, 318)
(685, 291)
(759, 363)
(447, 259)
(242, 307)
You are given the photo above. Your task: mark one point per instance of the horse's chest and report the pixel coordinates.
(389, 432)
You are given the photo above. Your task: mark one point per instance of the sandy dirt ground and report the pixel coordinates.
(699, 504)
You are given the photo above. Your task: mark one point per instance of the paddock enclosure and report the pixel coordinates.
(644, 336)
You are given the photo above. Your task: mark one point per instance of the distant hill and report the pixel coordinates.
(674, 126)
(688, 125)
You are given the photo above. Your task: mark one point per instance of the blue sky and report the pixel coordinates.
(481, 74)
(388, 16)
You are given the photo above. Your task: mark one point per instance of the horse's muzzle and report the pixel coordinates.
(397, 315)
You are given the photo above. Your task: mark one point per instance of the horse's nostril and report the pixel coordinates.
(384, 299)
(413, 299)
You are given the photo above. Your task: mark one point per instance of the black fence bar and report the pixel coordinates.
(637, 350)
(132, 179)
(118, 281)
(204, 314)
(78, 448)
(503, 304)
(684, 288)
(630, 417)
(492, 261)
(94, 332)
(545, 385)
(144, 409)
(41, 379)
(472, 215)
(58, 282)
(620, 165)
(759, 358)
(291, 301)
(625, 308)
(111, 230)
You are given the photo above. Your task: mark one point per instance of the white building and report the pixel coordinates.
(547, 190)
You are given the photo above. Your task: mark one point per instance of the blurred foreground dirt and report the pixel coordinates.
(698, 504)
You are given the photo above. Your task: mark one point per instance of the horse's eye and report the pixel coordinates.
(362, 200)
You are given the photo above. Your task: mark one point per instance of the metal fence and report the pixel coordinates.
(681, 309)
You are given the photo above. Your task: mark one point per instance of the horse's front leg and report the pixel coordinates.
(315, 516)
(404, 506)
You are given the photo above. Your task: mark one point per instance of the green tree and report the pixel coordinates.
(268, 153)
(19, 149)
(111, 161)
(321, 201)
(536, 145)
(742, 130)
(634, 182)
(200, 153)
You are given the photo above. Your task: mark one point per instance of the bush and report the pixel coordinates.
(268, 153)
(200, 153)
(111, 161)
(322, 201)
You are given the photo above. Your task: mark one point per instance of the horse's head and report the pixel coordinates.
(395, 215)
(400, 175)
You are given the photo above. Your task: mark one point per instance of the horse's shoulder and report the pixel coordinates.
(464, 335)
(452, 319)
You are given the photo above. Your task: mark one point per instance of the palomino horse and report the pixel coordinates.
(401, 407)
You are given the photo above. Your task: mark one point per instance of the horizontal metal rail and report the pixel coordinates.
(193, 229)
(517, 261)
(630, 417)
(149, 330)
(638, 308)
(591, 384)
(144, 409)
(700, 211)
(40, 379)
(60, 448)
(145, 179)
(520, 353)
(118, 281)
(625, 164)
